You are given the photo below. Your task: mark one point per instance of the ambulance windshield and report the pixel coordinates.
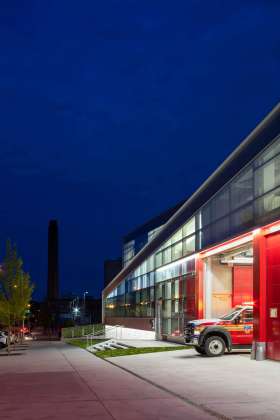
(231, 315)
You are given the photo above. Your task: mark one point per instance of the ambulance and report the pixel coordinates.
(212, 337)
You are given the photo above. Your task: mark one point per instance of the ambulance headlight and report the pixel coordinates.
(197, 331)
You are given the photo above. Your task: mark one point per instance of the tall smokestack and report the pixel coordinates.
(53, 270)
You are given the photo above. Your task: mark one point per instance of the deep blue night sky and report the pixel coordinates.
(112, 111)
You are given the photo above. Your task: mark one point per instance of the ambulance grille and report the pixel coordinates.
(189, 330)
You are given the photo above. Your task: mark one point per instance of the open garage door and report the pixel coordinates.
(228, 280)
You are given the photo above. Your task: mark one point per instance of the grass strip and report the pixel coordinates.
(82, 343)
(103, 354)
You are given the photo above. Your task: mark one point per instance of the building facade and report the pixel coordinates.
(219, 249)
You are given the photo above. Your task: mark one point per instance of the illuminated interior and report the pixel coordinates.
(228, 280)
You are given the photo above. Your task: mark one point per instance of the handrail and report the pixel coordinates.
(103, 332)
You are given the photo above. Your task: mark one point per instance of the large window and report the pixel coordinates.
(269, 153)
(267, 204)
(189, 227)
(189, 245)
(242, 218)
(250, 198)
(153, 233)
(177, 236)
(268, 176)
(134, 297)
(220, 205)
(181, 243)
(242, 189)
(166, 253)
(128, 252)
(177, 251)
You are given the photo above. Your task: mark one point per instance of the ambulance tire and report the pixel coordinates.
(214, 346)
(199, 349)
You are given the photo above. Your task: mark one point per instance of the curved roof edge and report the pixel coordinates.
(257, 140)
(153, 223)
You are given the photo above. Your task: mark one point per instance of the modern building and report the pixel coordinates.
(220, 248)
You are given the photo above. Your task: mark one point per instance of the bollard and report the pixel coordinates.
(260, 351)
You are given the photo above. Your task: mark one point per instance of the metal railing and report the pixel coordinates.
(109, 332)
(82, 330)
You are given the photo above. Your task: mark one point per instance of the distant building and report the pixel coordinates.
(66, 311)
(111, 269)
(93, 310)
(58, 310)
(53, 265)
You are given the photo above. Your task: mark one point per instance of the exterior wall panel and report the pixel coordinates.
(273, 296)
(242, 285)
(138, 323)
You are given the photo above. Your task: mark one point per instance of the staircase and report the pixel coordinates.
(107, 345)
(113, 332)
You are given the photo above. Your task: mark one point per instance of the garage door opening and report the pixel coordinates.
(228, 281)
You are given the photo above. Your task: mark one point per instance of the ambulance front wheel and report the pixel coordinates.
(214, 346)
(199, 349)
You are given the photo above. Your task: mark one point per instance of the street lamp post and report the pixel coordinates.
(85, 293)
(74, 308)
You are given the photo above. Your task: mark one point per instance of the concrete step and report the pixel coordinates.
(108, 345)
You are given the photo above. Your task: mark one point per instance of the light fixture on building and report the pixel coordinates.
(256, 231)
(226, 246)
(175, 263)
(238, 261)
(273, 229)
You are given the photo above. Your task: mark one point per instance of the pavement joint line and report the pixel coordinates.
(162, 388)
(87, 385)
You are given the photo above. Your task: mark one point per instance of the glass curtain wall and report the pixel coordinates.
(175, 294)
(251, 198)
(134, 297)
(181, 244)
(128, 252)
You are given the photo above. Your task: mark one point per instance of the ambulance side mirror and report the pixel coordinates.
(237, 319)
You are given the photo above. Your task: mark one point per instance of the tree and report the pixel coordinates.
(15, 290)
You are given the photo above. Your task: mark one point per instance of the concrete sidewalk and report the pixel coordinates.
(147, 343)
(232, 385)
(53, 380)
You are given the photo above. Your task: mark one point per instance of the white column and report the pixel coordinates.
(208, 289)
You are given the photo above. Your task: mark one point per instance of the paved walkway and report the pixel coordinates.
(232, 385)
(51, 380)
(147, 343)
